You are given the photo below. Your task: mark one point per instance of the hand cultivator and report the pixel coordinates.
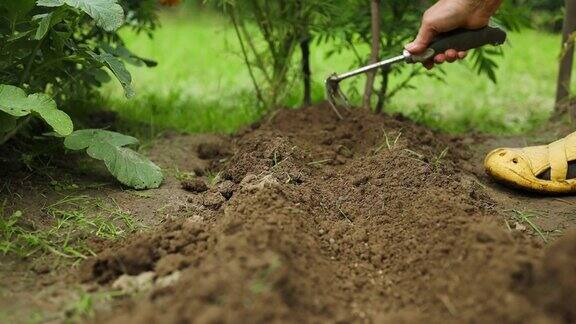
(460, 40)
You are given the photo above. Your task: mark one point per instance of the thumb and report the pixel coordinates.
(422, 41)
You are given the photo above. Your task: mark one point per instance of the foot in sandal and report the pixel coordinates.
(545, 169)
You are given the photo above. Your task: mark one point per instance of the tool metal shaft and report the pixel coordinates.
(370, 67)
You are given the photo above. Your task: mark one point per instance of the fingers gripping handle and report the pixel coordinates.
(464, 40)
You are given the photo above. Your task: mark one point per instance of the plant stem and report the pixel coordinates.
(246, 58)
(14, 131)
(26, 74)
(567, 59)
(371, 76)
(306, 71)
(382, 94)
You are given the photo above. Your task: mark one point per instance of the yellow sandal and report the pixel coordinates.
(544, 169)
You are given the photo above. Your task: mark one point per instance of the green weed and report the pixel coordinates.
(437, 160)
(81, 308)
(72, 219)
(524, 217)
(262, 283)
(319, 162)
(213, 177)
(182, 175)
(139, 194)
(85, 305)
(390, 144)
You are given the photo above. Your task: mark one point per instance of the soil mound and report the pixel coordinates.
(316, 219)
(555, 282)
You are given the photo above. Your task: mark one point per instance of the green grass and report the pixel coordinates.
(201, 84)
(527, 218)
(72, 220)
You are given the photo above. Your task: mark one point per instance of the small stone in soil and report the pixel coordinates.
(360, 180)
(226, 188)
(213, 200)
(520, 227)
(194, 185)
(131, 284)
(169, 280)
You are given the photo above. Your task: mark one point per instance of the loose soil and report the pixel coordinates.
(308, 218)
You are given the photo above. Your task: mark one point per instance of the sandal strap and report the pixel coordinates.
(558, 160)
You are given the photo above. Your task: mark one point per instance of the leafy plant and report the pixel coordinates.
(15, 102)
(54, 51)
(270, 33)
(129, 167)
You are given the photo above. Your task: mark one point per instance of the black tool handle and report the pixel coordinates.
(466, 39)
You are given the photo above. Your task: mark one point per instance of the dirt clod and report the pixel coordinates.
(555, 287)
(195, 185)
(133, 284)
(226, 188)
(213, 200)
(171, 263)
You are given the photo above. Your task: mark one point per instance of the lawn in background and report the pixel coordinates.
(201, 84)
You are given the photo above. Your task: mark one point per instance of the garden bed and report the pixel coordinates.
(308, 218)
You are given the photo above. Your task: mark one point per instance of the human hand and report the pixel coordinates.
(447, 15)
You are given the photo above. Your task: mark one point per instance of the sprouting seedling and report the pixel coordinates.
(213, 177)
(319, 162)
(526, 217)
(182, 175)
(437, 160)
(275, 160)
(343, 213)
(390, 144)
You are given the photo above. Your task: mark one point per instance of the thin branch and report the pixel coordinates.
(371, 76)
(14, 131)
(246, 58)
(257, 55)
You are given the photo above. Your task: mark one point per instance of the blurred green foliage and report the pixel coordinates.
(545, 14)
(270, 33)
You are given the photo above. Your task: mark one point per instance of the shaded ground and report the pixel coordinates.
(307, 218)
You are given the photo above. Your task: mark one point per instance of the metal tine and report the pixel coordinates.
(336, 98)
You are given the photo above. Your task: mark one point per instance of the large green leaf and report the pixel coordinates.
(127, 56)
(119, 69)
(84, 138)
(128, 166)
(107, 14)
(44, 24)
(15, 102)
(47, 21)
